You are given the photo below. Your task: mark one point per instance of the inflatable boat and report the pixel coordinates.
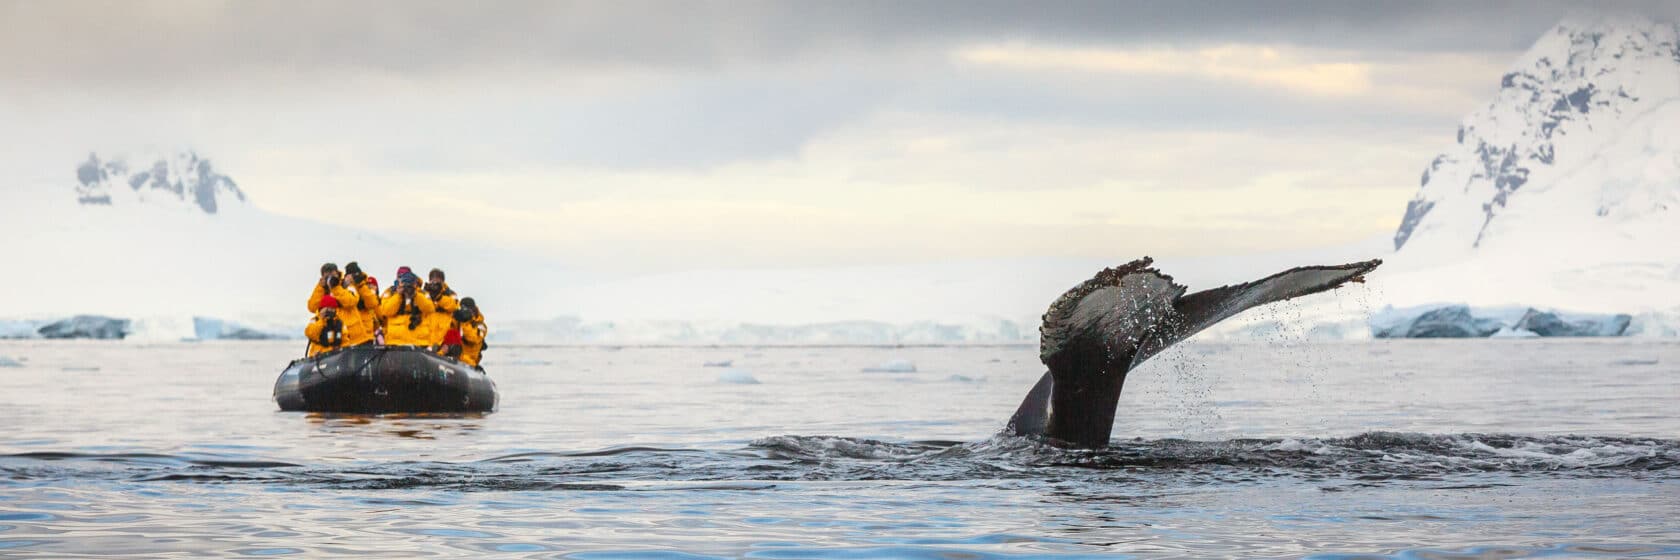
(379, 379)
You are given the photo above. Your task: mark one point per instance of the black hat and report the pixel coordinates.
(329, 267)
(435, 272)
(463, 314)
(469, 303)
(352, 268)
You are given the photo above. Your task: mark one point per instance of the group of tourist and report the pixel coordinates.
(350, 311)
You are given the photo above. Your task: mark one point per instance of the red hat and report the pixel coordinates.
(329, 301)
(374, 281)
(401, 270)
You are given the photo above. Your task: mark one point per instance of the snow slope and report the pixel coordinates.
(92, 239)
(1562, 195)
(1565, 190)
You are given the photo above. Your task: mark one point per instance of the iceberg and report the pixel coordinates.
(87, 326)
(1552, 324)
(1463, 321)
(1509, 332)
(1455, 321)
(206, 328)
(20, 329)
(1651, 324)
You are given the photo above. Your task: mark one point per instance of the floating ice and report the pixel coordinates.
(87, 326)
(895, 366)
(9, 362)
(736, 377)
(719, 363)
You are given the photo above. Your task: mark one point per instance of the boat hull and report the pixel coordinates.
(381, 379)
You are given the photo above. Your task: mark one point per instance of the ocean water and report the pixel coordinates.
(1403, 449)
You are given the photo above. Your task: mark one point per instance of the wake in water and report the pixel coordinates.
(1370, 458)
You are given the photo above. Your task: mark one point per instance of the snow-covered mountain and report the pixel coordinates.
(1559, 200)
(1572, 173)
(1586, 109)
(162, 240)
(182, 177)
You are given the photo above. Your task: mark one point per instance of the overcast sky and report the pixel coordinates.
(680, 134)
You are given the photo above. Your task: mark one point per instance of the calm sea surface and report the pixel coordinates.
(1410, 449)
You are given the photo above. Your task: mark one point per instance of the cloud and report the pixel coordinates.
(905, 188)
(1250, 65)
(177, 43)
(806, 132)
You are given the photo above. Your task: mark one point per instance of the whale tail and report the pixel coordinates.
(1102, 328)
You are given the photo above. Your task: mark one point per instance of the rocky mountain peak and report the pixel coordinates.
(183, 177)
(1571, 95)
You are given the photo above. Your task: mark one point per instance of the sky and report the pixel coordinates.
(662, 136)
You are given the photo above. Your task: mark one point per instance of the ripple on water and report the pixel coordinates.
(634, 554)
(1597, 550)
(610, 456)
(266, 551)
(464, 533)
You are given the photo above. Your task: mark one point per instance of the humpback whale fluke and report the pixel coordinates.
(1099, 330)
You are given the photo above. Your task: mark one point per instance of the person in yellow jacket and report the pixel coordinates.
(326, 332)
(451, 346)
(473, 332)
(464, 340)
(443, 300)
(367, 306)
(405, 307)
(333, 284)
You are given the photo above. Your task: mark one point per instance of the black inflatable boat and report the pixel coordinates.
(380, 379)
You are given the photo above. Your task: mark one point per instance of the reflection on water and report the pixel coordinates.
(409, 425)
(1398, 449)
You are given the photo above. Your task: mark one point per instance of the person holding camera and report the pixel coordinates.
(443, 299)
(473, 331)
(333, 284)
(365, 327)
(405, 308)
(452, 346)
(326, 332)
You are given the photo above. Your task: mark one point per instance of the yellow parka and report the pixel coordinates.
(369, 306)
(324, 334)
(349, 311)
(442, 314)
(405, 317)
(472, 340)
